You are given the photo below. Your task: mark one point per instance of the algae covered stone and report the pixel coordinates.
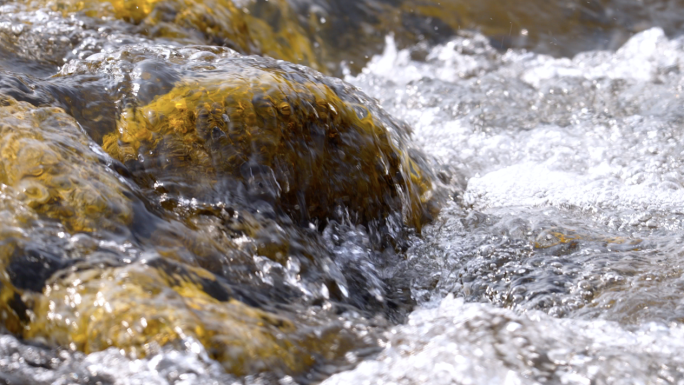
(215, 22)
(259, 130)
(240, 202)
(84, 265)
(141, 307)
(264, 156)
(46, 157)
(52, 183)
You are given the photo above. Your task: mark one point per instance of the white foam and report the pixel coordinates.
(590, 144)
(462, 343)
(552, 145)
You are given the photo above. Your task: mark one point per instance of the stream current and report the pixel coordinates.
(559, 259)
(557, 256)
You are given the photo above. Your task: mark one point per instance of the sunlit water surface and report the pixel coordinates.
(559, 255)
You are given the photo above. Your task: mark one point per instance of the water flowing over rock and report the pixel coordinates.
(566, 184)
(185, 198)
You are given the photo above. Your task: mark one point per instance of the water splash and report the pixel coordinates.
(559, 258)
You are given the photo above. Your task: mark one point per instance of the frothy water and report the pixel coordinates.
(560, 256)
(469, 343)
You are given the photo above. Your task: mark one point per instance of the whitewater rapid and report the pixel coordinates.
(559, 259)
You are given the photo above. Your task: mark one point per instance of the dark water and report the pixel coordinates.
(185, 198)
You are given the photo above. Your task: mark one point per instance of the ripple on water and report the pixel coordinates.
(469, 343)
(562, 240)
(566, 186)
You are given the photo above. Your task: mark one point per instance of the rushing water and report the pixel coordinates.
(177, 212)
(560, 258)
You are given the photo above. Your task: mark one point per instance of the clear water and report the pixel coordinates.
(558, 257)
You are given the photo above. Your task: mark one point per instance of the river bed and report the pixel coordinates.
(560, 259)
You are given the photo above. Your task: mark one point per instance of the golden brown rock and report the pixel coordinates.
(138, 307)
(96, 299)
(254, 156)
(214, 22)
(279, 134)
(47, 171)
(44, 155)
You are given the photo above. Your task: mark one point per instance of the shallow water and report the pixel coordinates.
(177, 212)
(560, 257)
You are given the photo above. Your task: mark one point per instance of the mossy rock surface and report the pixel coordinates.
(191, 194)
(52, 184)
(228, 167)
(142, 307)
(213, 22)
(77, 271)
(207, 124)
(46, 158)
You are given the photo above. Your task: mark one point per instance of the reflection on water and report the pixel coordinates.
(175, 211)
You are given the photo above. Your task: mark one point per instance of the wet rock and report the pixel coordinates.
(245, 130)
(215, 22)
(186, 270)
(46, 158)
(139, 307)
(52, 183)
(252, 205)
(265, 155)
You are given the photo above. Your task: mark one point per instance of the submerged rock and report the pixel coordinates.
(269, 154)
(246, 190)
(252, 205)
(52, 183)
(46, 159)
(77, 271)
(213, 22)
(264, 131)
(141, 307)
